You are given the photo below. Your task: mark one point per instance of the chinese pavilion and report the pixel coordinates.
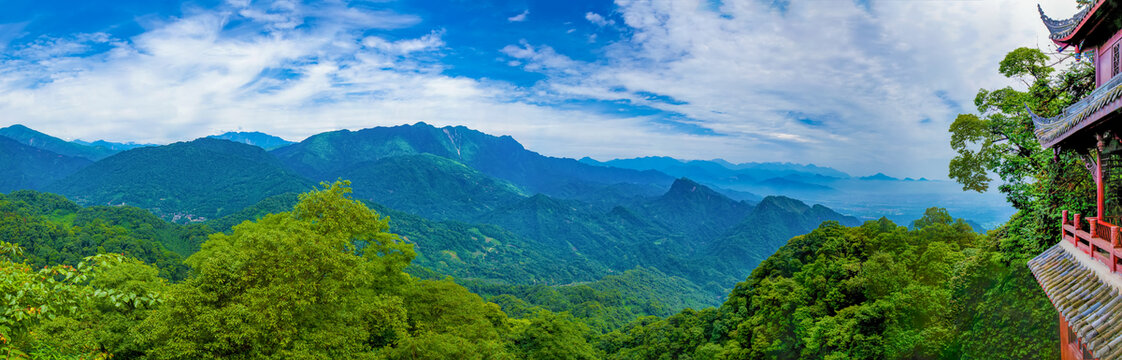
(1081, 275)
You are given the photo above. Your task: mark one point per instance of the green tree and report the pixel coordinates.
(1000, 140)
(318, 282)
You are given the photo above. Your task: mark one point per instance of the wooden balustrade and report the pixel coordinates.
(1100, 241)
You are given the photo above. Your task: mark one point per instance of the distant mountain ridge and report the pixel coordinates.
(468, 200)
(23, 167)
(184, 181)
(324, 156)
(112, 145)
(43, 141)
(258, 139)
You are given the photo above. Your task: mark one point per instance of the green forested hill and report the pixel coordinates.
(325, 156)
(53, 230)
(765, 229)
(696, 211)
(459, 249)
(29, 137)
(431, 186)
(876, 291)
(26, 167)
(186, 181)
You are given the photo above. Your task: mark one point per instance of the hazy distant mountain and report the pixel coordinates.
(769, 177)
(43, 141)
(204, 178)
(879, 177)
(26, 167)
(783, 184)
(717, 169)
(324, 156)
(112, 145)
(258, 139)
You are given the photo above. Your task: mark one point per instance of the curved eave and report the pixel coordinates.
(1064, 32)
(1100, 104)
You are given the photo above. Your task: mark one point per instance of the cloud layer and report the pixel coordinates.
(835, 83)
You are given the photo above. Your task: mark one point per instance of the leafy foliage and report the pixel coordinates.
(53, 230)
(870, 292)
(1037, 182)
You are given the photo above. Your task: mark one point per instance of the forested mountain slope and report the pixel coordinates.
(26, 167)
(764, 230)
(431, 186)
(695, 210)
(29, 137)
(876, 291)
(325, 156)
(185, 181)
(53, 230)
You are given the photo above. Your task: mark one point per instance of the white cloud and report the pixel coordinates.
(520, 17)
(867, 79)
(597, 19)
(542, 59)
(828, 82)
(428, 42)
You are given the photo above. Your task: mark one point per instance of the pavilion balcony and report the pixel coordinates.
(1098, 239)
(1084, 114)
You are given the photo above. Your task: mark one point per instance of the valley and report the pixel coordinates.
(476, 207)
(609, 244)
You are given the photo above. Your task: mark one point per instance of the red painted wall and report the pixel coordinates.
(1104, 60)
(1067, 351)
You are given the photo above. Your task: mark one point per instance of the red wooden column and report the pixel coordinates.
(1100, 202)
(1114, 248)
(1063, 222)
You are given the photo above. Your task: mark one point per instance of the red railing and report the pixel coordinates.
(1100, 239)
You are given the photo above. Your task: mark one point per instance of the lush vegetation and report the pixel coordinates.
(431, 186)
(55, 231)
(876, 291)
(321, 275)
(327, 279)
(324, 280)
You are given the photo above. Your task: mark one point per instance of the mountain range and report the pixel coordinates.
(475, 206)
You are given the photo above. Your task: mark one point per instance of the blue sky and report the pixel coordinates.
(864, 86)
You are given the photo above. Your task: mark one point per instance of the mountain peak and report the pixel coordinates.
(879, 176)
(255, 138)
(784, 203)
(686, 186)
(36, 139)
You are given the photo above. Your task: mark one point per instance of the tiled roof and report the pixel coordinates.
(1051, 130)
(1060, 29)
(1092, 305)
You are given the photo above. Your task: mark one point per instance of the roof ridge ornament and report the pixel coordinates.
(1060, 29)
